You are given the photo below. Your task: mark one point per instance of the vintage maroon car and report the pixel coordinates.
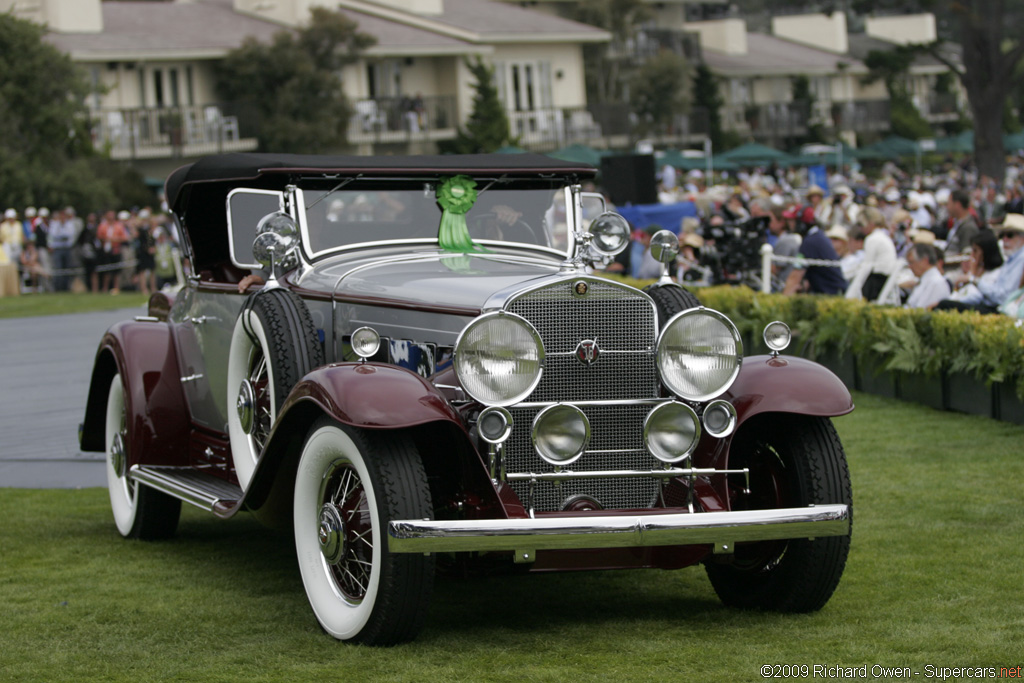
(430, 374)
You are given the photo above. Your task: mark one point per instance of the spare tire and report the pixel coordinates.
(274, 344)
(669, 300)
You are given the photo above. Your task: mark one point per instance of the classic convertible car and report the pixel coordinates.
(426, 372)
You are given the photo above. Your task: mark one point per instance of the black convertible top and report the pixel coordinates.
(197, 193)
(269, 168)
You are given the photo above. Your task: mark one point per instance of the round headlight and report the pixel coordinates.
(365, 342)
(561, 433)
(611, 233)
(499, 358)
(777, 335)
(671, 431)
(699, 354)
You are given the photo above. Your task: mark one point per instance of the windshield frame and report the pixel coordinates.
(307, 196)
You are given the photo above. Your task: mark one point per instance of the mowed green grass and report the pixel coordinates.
(934, 578)
(58, 303)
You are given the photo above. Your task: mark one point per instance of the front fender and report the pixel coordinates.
(787, 385)
(144, 355)
(364, 395)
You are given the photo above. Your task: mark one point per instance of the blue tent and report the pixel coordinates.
(668, 216)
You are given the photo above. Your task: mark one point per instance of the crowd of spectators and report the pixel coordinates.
(115, 251)
(947, 240)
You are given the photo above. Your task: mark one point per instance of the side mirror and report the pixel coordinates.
(276, 243)
(664, 246)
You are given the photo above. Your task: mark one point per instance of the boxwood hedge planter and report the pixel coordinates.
(873, 378)
(1011, 409)
(921, 388)
(844, 365)
(967, 394)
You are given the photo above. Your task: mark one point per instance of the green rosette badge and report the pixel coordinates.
(456, 197)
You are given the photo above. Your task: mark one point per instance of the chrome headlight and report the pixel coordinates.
(499, 358)
(699, 354)
(671, 431)
(561, 433)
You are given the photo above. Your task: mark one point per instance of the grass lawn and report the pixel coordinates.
(933, 579)
(57, 303)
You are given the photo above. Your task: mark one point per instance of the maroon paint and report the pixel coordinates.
(147, 361)
(787, 385)
(371, 395)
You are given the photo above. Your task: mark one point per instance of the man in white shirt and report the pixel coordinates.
(932, 287)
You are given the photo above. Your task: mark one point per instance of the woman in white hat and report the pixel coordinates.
(11, 236)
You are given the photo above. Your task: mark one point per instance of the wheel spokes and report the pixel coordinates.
(351, 573)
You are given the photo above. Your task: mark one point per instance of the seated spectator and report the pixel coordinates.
(931, 287)
(787, 243)
(985, 260)
(816, 279)
(850, 249)
(1006, 279)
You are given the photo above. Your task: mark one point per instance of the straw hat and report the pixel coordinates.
(922, 236)
(815, 190)
(837, 232)
(1013, 221)
(691, 239)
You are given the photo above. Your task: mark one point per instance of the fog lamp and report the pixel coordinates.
(561, 433)
(671, 431)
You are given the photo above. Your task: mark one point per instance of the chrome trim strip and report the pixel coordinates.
(599, 402)
(613, 474)
(647, 352)
(153, 477)
(619, 531)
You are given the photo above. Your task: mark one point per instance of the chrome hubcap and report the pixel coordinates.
(117, 458)
(246, 405)
(331, 534)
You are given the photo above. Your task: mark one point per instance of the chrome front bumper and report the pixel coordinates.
(523, 536)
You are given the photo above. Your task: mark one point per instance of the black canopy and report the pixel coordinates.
(274, 169)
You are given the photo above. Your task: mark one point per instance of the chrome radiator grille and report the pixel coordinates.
(623, 324)
(620, 321)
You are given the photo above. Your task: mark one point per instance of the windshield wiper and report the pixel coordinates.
(334, 189)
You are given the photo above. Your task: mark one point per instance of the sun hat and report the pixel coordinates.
(30, 212)
(1014, 222)
(922, 236)
(123, 216)
(10, 213)
(44, 212)
(691, 239)
(814, 189)
(838, 232)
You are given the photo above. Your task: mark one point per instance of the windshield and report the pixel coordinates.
(361, 212)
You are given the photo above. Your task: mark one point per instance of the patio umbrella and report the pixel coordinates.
(580, 153)
(753, 153)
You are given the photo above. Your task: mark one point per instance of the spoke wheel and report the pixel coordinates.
(350, 484)
(273, 345)
(139, 511)
(794, 461)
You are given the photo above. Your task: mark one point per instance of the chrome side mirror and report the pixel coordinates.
(276, 243)
(664, 249)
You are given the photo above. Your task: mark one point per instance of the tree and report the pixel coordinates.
(660, 90)
(804, 99)
(992, 47)
(46, 153)
(300, 106)
(892, 67)
(707, 97)
(607, 66)
(487, 128)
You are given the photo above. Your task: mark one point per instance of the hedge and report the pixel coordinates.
(917, 341)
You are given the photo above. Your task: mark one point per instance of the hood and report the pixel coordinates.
(428, 280)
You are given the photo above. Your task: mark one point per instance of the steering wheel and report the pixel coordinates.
(483, 226)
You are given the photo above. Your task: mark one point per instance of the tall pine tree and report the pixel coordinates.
(487, 128)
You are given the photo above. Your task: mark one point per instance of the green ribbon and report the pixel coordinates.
(456, 197)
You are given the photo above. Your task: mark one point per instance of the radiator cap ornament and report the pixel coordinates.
(587, 352)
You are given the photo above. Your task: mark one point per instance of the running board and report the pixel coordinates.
(190, 485)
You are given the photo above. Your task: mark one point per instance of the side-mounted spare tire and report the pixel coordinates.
(274, 344)
(669, 300)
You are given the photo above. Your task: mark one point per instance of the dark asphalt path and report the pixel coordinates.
(45, 365)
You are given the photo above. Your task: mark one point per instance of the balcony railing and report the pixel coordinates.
(402, 119)
(163, 132)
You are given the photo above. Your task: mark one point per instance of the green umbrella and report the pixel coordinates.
(757, 154)
(580, 153)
